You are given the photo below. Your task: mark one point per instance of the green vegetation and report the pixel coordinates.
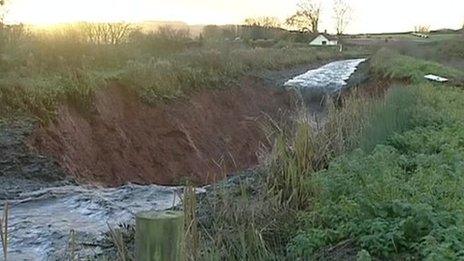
(392, 65)
(181, 73)
(381, 179)
(378, 178)
(41, 69)
(452, 49)
(404, 199)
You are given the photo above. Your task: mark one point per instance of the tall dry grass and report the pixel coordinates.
(255, 218)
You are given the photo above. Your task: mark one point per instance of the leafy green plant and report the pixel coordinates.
(403, 200)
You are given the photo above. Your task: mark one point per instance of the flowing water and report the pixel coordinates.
(40, 222)
(327, 79)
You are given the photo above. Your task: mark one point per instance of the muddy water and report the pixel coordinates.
(40, 222)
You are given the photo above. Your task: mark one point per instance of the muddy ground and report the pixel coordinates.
(23, 169)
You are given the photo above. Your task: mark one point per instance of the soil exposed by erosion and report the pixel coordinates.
(213, 133)
(22, 169)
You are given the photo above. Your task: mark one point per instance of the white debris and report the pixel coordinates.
(435, 78)
(328, 78)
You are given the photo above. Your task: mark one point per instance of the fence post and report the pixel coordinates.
(159, 236)
(4, 231)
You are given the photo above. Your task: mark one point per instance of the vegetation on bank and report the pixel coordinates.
(179, 74)
(41, 69)
(389, 64)
(381, 179)
(401, 199)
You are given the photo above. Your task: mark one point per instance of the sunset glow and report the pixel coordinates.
(370, 16)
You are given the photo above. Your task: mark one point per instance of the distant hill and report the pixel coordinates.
(151, 26)
(445, 31)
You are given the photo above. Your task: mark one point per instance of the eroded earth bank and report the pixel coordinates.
(198, 139)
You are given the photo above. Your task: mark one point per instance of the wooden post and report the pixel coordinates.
(159, 236)
(4, 232)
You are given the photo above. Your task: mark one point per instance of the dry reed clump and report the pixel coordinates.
(255, 217)
(308, 145)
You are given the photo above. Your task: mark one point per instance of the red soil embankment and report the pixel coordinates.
(200, 138)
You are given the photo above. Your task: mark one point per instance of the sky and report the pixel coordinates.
(369, 16)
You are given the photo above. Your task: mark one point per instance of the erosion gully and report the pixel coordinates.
(43, 223)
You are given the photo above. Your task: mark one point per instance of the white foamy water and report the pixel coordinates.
(328, 78)
(40, 222)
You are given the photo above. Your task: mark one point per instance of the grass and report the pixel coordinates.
(394, 114)
(42, 69)
(256, 218)
(176, 76)
(392, 65)
(401, 201)
(382, 177)
(39, 95)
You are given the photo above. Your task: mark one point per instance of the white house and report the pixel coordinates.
(323, 39)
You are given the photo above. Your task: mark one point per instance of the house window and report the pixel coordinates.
(324, 42)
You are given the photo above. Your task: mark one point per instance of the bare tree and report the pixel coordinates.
(170, 33)
(342, 15)
(2, 11)
(307, 16)
(264, 21)
(107, 33)
(119, 32)
(423, 29)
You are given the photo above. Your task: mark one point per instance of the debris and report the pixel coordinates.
(435, 78)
